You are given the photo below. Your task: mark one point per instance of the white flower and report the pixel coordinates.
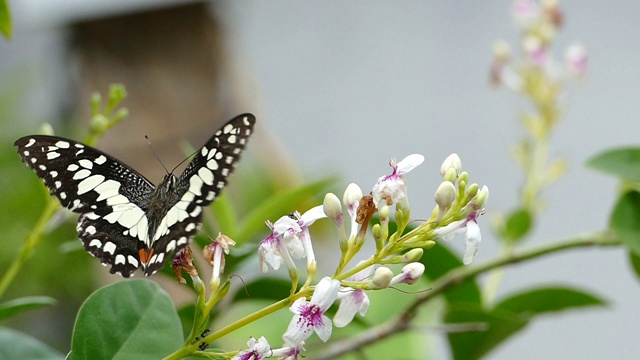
(258, 350)
(393, 188)
(470, 227)
(273, 251)
(289, 352)
(295, 232)
(309, 316)
(410, 274)
(353, 301)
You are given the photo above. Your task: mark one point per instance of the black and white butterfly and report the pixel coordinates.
(126, 221)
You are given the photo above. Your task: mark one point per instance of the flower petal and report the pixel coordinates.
(409, 163)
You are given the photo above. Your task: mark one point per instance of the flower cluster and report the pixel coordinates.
(539, 23)
(458, 206)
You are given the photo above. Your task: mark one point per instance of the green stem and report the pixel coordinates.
(454, 278)
(191, 348)
(32, 241)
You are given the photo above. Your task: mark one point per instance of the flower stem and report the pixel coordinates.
(454, 278)
(32, 241)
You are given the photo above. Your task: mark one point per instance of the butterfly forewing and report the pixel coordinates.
(126, 222)
(198, 186)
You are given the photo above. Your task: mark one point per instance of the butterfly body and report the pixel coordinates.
(126, 221)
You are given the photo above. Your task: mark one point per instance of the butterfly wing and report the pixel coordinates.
(198, 186)
(111, 197)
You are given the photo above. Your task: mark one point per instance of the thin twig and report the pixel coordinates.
(454, 278)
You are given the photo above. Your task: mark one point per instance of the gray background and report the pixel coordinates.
(347, 85)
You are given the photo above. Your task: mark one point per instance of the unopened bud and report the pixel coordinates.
(452, 161)
(413, 255)
(445, 195)
(382, 277)
(332, 208)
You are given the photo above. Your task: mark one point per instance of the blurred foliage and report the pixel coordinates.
(5, 19)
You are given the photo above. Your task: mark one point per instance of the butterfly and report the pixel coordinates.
(126, 221)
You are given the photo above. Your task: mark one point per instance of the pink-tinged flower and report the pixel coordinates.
(536, 52)
(525, 12)
(289, 352)
(468, 226)
(410, 274)
(273, 251)
(353, 301)
(309, 316)
(576, 60)
(258, 350)
(393, 188)
(295, 232)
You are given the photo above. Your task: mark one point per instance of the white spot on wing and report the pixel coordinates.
(107, 189)
(90, 230)
(62, 144)
(109, 247)
(53, 173)
(171, 246)
(195, 185)
(52, 155)
(190, 227)
(206, 175)
(232, 139)
(86, 163)
(100, 160)
(183, 240)
(95, 242)
(119, 259)
(42, 167)
(72, 167)
(212, 164)
(196, 211)
(204, 151)
(81, 174)
(63, 195)
(132, 261)
(31, 142)
(89, 183)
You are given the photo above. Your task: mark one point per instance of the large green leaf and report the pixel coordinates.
(16, 306)
(508, 317)
(623, 163)
(132, 319)
(498, 325)
(625, 220)
(265, 288)
(15, 345)
(438, 261)
(548, 299)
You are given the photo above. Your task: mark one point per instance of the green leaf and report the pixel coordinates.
(265, 288)
(499, 325)
(623, 163)
(15, 345)
(625, 220)
(517, 225)
(5, 19)
(438, 261)
(548, 299)
(133, 319)
(276, 206)
(17, 306)
(635, 262)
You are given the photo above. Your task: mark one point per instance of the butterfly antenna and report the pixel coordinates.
(185, 159)
(156, 155)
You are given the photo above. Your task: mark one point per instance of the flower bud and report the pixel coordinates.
(332, 208)
(413, 255)
(382, 277)
(445, 195)
(452, 161)
(472, 190)
(352, 196)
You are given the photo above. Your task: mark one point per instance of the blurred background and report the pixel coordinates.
(338, 88)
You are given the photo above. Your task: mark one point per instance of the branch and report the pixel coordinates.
(454, 278)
